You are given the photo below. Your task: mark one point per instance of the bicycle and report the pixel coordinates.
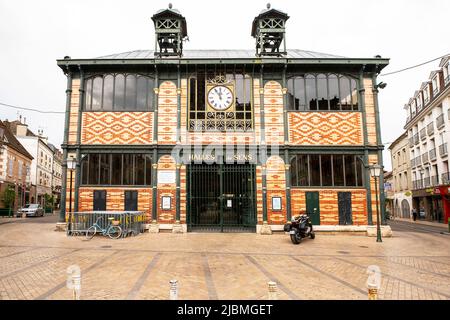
(112, 231)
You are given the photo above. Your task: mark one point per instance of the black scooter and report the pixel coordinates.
(300, 227)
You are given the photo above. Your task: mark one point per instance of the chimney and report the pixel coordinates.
(21, 130)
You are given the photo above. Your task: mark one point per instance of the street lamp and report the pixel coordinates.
(375, 172)
(71, 164)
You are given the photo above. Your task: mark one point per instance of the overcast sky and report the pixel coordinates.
(33, 34)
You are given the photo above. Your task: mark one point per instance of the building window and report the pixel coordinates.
(116, 169)
(323, 92)
(326, 171)
(236, 116)
(119, 92)
(10, 167)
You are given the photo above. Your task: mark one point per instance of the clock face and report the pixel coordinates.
(220, 97)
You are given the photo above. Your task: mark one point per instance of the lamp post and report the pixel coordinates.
(375, 171)
(71, 164)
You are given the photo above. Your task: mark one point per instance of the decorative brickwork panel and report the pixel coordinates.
(329, 208)
(184, 109)
(373, 159)
(370, 111)
(276, 187)
(259, 197)
(74, 111)
(183, 194)
(273, 113)
(119, 128)
(257, 110)
(167, 166)
(115, 199)
(325, 128)
(167, 113)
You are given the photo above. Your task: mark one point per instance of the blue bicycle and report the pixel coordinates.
(113, 230)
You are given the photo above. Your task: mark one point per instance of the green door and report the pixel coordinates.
(312, 207)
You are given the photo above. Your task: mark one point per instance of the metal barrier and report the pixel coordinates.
(131, 222)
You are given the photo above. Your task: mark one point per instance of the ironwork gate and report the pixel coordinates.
(221, 198)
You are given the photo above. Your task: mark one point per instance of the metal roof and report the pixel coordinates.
(221, 54)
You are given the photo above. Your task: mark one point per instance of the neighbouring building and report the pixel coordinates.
(401, 177)
(388, 192)
(42, 165)
(15, 163)
(56, 176)
(428, 129)
(224, 139)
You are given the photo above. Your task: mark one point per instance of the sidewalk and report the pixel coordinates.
(426, 223)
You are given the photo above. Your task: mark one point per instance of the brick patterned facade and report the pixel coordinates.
(325, 128)
(119, 128)
(166, 164)
(328, 203)
(273, 113)
(276, 187)
(74, 112)
(115, 199)
(167, 113)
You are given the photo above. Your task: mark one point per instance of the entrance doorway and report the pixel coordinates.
(345, 208)
(221, 198)
(312, 206)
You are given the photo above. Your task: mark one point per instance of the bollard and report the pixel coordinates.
(74, 281)
(173, 290)
(273, 290)
(373, 282)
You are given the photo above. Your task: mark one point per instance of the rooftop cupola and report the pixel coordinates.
(269, 30)
(170, 32)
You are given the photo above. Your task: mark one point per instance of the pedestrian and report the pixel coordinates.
(414, 214)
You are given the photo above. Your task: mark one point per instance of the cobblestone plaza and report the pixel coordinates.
(415, 264)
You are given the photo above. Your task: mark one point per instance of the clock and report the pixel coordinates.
(220, 97)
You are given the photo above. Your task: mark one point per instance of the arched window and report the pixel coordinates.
(119, 92)
(345, 93)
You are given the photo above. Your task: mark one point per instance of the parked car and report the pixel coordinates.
(31, 210)
(422, 213)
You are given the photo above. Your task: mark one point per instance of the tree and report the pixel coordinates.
(49, 199)
(9, 196)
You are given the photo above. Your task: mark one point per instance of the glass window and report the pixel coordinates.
(88, 93)
(128, 171)
(294, 171)
(116, 164)
(148, 170)
(354, 94)
(300, 98)
(311, 99)
(350, 174)
(108, 91)
(359, 173)
(338, 170)
(142, 93)
(314, 164)
(119, 92)
(130, 93)
(322, 92)
(290, 94)
(327, 173)
(302, 169)
(140, 169)
(105, 167)
(333, 88)
(94, 168)
(97, 93)
(345, 93)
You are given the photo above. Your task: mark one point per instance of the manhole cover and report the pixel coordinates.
(344, 252)
(106, 247)
(365, 247)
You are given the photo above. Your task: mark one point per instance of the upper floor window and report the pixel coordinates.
(119, 92)
(323, 92)
(116, 169)
(435, 83)
(220, 102)
(326, 170)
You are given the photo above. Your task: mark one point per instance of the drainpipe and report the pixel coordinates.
(362, 92)
(380, 147)
(62, 214)
(78, 152)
